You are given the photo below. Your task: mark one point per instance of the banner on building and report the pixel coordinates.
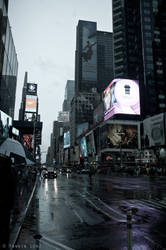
(89, 51)
(154, 131)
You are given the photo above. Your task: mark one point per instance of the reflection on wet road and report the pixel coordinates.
(71, 213)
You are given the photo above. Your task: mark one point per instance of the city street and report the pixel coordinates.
(71, 212)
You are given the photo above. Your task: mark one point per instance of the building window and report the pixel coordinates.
(162, 105)
(161, 96)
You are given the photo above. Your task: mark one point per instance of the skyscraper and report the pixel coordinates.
(139, 51)
(69, 94)
(93, 72)
(105, 72)
(86, 57)
(8, 63)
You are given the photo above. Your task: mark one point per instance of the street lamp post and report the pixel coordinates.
(121, 134)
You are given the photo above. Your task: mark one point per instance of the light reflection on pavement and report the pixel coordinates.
(72, 214)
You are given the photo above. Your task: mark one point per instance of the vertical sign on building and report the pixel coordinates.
(89, 52)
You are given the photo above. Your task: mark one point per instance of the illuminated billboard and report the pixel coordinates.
(67, 139)
(31, 103)
(89, 51)
(83, 147)
(28, 141)
(118, 135)
(121, 97)
(5, 124)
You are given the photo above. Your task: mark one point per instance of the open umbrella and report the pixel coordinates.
(15, 149)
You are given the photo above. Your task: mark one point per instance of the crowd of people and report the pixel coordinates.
(147, 169)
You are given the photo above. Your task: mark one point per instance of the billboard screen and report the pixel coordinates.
(27, 141)
(154, 132)
(31, 103)
(5, 124)
(31, 89)
(89, 52)
(83, 147)
(119, 135)
(67, 139)
(121, 97)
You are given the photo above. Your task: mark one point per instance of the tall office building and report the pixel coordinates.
(93, 58)
(93, 72)
(86, 57)
(69, 94)
(105, 72)
(139, 50)
(8, 63)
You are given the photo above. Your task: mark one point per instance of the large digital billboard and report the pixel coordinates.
(5, 124)
(67, 139)
(154, 131)
(118, 135)
(89, 51)
(121, 97)
(31, 103)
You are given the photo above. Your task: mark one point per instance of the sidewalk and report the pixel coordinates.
(15, 230)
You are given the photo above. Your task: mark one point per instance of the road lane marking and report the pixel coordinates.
(154, 204)
(153, 242)
(106, 205)
(69, 204)
(55, 243)
(101, 211)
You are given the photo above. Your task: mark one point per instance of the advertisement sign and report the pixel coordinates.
(154, 132)
(119, 135)
(81, 128)
(5, 124)
(83, 147)
(30, 117)
(27, 141)
(15, 131)
(89, 52)
(67, 139)
(121, 97)
(63, 116)
(31, 103)
(31, 89)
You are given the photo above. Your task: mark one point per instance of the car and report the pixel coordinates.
(51, 173)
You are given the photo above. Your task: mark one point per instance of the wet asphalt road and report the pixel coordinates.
(71, 213)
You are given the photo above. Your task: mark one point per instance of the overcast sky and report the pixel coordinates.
(44, 33)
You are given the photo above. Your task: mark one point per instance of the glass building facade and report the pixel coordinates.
(8, 63)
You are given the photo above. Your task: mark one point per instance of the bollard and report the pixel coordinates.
(129, 228)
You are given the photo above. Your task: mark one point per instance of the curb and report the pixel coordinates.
(17, 228)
